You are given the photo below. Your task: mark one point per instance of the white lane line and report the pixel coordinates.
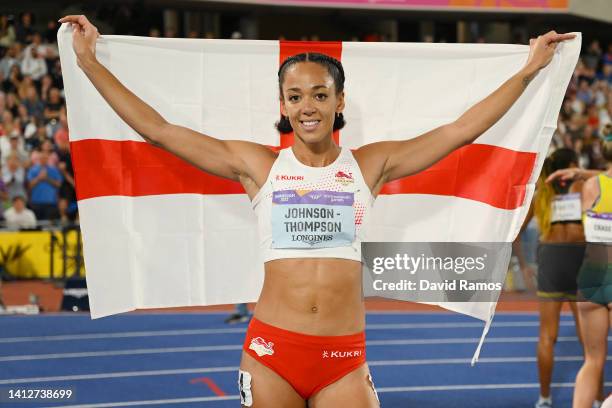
(478, 387)
(466, 387)
(230, 347)
(374, 363)
(382, 326)
(455, 325)
(128, 352)
(93, 336)
(466, 340)
(151, 402)
(123, 374)
(493, 360)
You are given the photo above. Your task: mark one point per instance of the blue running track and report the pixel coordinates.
(190, 360)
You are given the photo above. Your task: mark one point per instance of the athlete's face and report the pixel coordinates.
(310, 101)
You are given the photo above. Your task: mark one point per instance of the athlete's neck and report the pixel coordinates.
(316, 154)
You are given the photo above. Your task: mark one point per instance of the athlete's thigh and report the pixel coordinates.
(267, 389)
(354, 390)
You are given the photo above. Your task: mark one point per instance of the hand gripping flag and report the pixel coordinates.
(158, 232)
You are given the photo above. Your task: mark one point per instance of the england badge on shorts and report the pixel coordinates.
(261, 347)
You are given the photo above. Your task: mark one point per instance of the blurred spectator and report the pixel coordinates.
(3, 193)
(599, 95)
(12, 105)
(33, 64)
(18, 216)
(584, 92)
(24, 29)
(593, 116)
(56, 75)
(44, 50)
(61, 134)
(35, 106)
(44, 181)
(584, 72)
(593, 55)
(46, 145)
(6, 130)
(29, 132)
(15, 149)
(12, 82)
(9, 59)
(46, 84)
(7, 32)
(607, 63)
(67, 194)
(22, 90)
(54, 105)
(51, 32)
(14, 175)
(154, 32)
(35, 140)
(23, 116)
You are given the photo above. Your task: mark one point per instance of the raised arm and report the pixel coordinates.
(388, 161)
(573, 173)
(242, 161)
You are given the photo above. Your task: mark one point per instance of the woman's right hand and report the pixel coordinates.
(84, 36)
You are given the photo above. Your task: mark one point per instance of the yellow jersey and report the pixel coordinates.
(598, 220)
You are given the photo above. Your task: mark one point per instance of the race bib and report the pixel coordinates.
(598, 227)
(566, 207)
(312, 219)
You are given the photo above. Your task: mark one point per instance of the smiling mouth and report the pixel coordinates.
(309, 124)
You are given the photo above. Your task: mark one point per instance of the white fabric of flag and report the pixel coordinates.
(168, 250)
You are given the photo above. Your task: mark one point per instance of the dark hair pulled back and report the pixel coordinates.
(335, 70)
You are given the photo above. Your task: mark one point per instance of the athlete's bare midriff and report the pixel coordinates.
(318, 296)
(560, 233)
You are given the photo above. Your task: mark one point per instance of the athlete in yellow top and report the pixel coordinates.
(595, 279)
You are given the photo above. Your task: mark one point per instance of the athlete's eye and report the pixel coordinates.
(293, 98)
(321, 96)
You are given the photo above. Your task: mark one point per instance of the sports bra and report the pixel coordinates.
(312, 212)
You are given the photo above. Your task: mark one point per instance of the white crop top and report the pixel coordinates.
(312, 212)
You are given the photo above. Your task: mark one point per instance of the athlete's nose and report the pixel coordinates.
(308, 108)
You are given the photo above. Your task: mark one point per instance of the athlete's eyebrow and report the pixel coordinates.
(314, 87)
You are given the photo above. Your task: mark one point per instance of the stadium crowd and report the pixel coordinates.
(37, 179)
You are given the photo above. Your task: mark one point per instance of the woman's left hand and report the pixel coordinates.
(542, 49)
